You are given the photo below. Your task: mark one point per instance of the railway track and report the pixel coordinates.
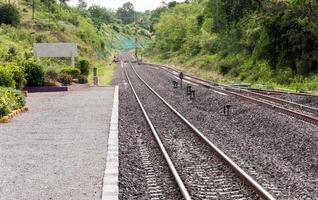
(200, 173)
(276, 92)
(299, 111)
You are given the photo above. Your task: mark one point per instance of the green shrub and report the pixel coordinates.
(9, 14)
(74, 72)
(6, 77)
(19, 97)
(34, 73)
(65, 79)
(18, 75)
(82, 79)
(84, 66)
(224, 68)
(51, 73)
(50, 77)
(10, 100)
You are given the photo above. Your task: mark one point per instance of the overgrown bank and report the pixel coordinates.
(271, 44)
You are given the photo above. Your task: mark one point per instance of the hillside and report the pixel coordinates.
(60, 23)
(269, 44)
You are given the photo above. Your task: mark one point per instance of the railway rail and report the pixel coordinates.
(276, 92)
(299, 111)
(194, 168)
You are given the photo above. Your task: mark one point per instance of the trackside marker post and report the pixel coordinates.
(181, 77)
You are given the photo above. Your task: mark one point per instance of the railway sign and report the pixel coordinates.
(55, 50)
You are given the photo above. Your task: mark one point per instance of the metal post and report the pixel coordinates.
(73, 60)
(95, 78)
(33, 9)
(136, 40)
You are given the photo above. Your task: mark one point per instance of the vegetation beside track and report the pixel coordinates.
(269, 44)
(105, 74)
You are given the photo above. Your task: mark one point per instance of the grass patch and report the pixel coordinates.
(105, 75)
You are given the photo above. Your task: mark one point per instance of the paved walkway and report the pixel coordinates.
(58, 149)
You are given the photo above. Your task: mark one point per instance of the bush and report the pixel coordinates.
(6, 78)
(9, 14)
(74, 72)
(82, 79)
(50, 77)
(83, 66)
(51, 74)
(18, 75)
(20, 98)
(10, 100)
(34, 73)
(224, 68)
(65, 79)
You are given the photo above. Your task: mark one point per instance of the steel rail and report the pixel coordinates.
(231, 91)
(251, 89)
(283, 101)
(235, 92)
(173, 170)
(277, 92)
(259, 189)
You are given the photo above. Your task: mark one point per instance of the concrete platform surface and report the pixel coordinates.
(58, 149)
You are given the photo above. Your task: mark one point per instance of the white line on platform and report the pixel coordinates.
(110, 183)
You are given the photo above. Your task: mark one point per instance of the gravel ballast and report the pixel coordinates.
(58, 149)
(204, 173)
(305, 100)
(277, 150)
(135, 138)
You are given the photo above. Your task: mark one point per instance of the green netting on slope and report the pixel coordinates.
(121, 41)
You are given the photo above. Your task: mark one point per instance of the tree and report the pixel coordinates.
(82, 5)
(172, 4)
(126, 13)
(100, 15)
(155, 16)
(64, 1)
(226, 12)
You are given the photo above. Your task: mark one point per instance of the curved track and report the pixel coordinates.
(205, 176)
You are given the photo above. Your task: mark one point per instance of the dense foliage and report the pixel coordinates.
(10, 100)
(83, 66)
(17, 75)
(34, 73)
(9, 14)
(268, 42)
(6, 78)
(74, 72)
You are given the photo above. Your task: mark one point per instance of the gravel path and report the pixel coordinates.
(58, 149)
(277, 150)
(141, 164)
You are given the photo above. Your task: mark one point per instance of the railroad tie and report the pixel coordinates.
(154, 189)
